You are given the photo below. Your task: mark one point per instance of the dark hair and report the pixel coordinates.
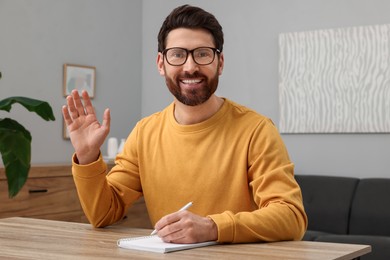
(190, 17)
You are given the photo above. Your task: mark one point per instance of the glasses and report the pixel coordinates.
(178, 56)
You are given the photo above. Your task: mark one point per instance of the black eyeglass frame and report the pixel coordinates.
(215, 51)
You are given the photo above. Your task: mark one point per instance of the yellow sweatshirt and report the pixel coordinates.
(234, 168)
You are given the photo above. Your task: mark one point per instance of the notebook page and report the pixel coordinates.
(155, 244)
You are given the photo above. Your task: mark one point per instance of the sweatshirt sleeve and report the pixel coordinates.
(279, 213)
(104, 200)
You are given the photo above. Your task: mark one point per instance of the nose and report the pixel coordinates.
(190, 65)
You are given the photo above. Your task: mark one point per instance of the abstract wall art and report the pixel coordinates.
(335, 80)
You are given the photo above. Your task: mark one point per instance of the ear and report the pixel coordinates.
(221, 63)
(160, 64)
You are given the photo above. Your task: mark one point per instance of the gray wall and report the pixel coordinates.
(118, 37)
(38, 36)
(251, 71)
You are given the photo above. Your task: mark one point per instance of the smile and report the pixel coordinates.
(191, 81)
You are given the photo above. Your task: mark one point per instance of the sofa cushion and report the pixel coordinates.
(327, 201)
(370, 212)
(380, 245)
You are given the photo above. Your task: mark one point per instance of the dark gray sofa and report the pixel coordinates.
(348, 210)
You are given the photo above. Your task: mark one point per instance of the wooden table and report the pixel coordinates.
(26, 238)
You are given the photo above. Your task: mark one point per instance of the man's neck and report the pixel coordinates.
(188, 115)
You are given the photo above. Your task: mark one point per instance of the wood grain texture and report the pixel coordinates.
(46, 239)
(50, 193)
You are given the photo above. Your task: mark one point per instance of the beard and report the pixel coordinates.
(193, 96)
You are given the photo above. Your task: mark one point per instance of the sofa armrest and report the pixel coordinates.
(327, 201)
(370, 213)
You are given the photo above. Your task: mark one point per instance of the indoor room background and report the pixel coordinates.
(119, 38)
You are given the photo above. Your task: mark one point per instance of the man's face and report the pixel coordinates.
(190, 83)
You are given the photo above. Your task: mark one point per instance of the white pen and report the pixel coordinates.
(189, 204)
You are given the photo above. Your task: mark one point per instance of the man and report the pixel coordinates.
(226, 159)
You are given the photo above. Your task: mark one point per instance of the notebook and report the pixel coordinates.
(155, 244)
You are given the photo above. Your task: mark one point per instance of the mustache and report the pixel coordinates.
(196, 74)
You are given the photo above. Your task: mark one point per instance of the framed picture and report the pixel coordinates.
(79, 77)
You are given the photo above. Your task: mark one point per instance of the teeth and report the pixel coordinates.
(191, 81)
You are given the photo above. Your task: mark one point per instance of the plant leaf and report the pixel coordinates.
(15, 148)
(42, 108)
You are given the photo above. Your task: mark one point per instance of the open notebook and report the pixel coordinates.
(155, 244)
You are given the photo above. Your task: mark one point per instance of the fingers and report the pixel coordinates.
(175, 227)
(186, 227)
(172, 232)
(71, 102)
(76, 107)
(167, 220)
(66, 115)
(87, 103)
(77, 102)
(106, 119)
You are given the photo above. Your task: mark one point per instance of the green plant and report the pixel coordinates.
(15, 141)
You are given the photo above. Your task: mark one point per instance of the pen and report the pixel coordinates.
(189, 204)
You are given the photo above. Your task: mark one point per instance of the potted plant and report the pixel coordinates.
(15, 141)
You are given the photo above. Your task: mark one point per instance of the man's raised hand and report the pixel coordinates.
(86, 133)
